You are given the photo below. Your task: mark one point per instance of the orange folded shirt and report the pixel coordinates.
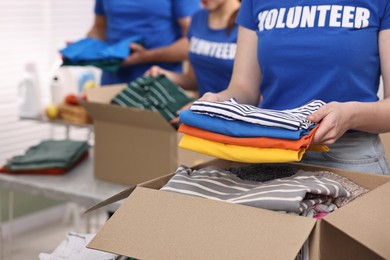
(260, 142)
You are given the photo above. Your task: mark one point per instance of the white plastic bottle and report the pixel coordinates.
(30, 103)
(63, 82)
(56, 90)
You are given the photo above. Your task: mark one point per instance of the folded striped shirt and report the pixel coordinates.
(292, 119)
(292, 194)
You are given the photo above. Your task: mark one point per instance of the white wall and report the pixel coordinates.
(34, 31)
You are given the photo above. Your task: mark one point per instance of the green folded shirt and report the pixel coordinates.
(49, 154)
(153, 93)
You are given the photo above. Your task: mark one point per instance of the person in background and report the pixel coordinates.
(213, 37)
(335, 53)
(162, 25)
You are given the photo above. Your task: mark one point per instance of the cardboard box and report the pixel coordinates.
(153, 224)
(386, 143)
(133, 145)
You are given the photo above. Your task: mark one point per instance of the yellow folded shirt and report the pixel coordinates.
(240, 153)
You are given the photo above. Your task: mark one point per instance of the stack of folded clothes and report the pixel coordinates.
(94, 52)
(246, 133)
(157, 94)
(51, 157)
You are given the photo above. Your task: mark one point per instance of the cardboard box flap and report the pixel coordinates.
(104, 94)
(128, 116)
(154, 224)
(120, 196)
(366, 220)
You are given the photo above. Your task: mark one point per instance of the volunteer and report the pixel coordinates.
(333, 52)
(213, 37)
(162, 26)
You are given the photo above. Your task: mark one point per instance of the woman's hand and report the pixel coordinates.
(155, 71)
(185, 107)
(212, 97)
(335, 119)
(138, 55)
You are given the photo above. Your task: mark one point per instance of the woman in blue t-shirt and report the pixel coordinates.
(213, 37)
(162, 26)
(298, 52)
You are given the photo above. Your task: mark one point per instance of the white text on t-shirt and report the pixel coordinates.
(220, 50)
(314, 16)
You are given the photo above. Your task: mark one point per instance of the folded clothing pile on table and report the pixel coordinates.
(51, 157)
(245, 133)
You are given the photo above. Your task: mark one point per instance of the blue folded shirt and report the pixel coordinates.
(90, 49)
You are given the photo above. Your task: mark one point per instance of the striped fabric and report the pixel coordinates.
(292, 119)
(292, 194)
(237, 128)
(158, 94)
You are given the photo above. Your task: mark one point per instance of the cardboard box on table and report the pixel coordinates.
(133, 145)
(153, 224)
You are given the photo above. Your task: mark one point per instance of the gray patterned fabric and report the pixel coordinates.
(291, 194)
(354, 189)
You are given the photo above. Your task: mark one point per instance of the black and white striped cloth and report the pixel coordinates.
(293, 194)
(292, 119)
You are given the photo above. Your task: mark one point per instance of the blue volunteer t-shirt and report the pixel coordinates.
(310, 50)
(154, 21)
(211, 53)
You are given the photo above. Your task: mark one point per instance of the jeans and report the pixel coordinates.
(355, 151)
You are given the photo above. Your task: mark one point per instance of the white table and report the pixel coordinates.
(78, 185)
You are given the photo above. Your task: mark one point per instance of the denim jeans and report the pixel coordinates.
(355, 151)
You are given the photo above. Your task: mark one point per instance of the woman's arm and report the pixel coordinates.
(336, 118)
(175, 52)
(246, 77)
(99, 28)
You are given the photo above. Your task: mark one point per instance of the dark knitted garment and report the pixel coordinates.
(264, 171)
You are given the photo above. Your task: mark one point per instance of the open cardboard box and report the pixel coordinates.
(133, 145)
(153, 224)
(385, 137)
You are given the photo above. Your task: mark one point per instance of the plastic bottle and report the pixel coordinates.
(56, 89)
(30, 104)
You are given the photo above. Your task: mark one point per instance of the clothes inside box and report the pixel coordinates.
(278, 187)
